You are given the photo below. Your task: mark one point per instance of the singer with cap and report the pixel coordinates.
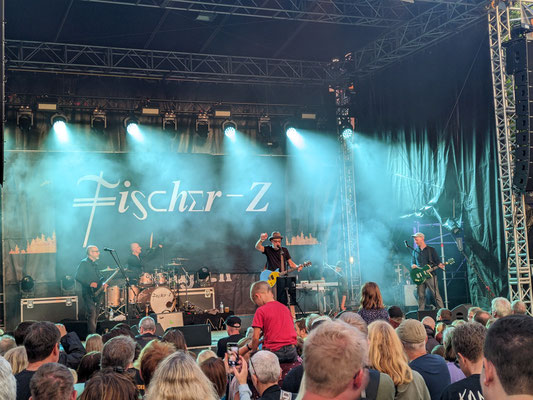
(278, 256)
(426, 255)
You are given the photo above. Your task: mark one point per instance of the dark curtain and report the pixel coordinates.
(426, 140)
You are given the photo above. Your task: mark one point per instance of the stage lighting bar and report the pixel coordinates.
(25, 118)
(170, 122)
(59, 125)
(98, 120)
(202, 125)
(310, 116)
(230, 130)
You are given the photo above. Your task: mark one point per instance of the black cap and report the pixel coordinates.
(233, 321)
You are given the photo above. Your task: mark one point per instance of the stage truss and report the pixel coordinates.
(513, 204)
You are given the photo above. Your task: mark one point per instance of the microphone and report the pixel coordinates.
(108, 249)
(406, 244)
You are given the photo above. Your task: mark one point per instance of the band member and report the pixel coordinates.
(136, 262)
(335, 273)
(275, 253)
(426, 255)
(90, 278)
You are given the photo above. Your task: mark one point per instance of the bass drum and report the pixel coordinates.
(160, 299)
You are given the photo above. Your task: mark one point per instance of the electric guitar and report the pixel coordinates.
(421, 274)
(272, 276)
(97, 292)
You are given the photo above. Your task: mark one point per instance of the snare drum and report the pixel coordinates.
(146, 280)
(160, 299)
(113, 296)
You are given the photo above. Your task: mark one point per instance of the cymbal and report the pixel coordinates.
(179, 259)
(173, 264)
(107, 269)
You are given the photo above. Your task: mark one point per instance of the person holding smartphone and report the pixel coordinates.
(233, 326)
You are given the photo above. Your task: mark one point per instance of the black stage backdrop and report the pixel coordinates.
(428, 134)
(208, 210)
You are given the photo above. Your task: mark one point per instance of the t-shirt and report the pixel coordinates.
(23, 384)
(427, 256)
(222, 343)
(468, 388)
(274, 257)
(275, 320)
(434, 370)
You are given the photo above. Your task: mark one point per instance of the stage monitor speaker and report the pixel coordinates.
(411, 315)
(461, 312)
(519, 62)
(427, 313)
(170, 320)
(196, 335)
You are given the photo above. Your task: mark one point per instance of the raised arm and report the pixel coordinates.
(259, 245)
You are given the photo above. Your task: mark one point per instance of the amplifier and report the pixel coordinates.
(53, 309)
(170, 320)
(202, 298)
(409, 298)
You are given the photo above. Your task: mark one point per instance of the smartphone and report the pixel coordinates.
(233, 353)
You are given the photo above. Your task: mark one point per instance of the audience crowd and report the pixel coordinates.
(369, 353)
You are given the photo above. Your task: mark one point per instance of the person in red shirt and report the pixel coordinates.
(272, 321)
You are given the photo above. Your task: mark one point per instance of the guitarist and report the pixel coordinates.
(426, 255)
(274, 254)
(90, 278)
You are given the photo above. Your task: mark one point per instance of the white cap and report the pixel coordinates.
(418, 234)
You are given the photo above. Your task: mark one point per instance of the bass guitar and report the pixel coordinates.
(420, 274)
(272, 276)
(100, 290)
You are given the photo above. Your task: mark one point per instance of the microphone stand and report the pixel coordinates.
(127, 280)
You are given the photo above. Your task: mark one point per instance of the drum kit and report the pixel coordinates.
(157, 292)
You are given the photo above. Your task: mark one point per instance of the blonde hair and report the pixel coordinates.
(18, 359)
(205, 355)
(178, 377)
(386, 353)
(94, 343)
(334, 352)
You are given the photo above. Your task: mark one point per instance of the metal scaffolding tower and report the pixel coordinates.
(513, 204)
(348, 199)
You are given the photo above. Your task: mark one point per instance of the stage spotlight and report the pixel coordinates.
(25, 118)
(346, 129)
(294, 136)
(99, 120)
(202, 125)
(346, 133)
(59, 125)
(27, 285)
(68, 285)
(230, 129)
(132, 127)
(170, 122)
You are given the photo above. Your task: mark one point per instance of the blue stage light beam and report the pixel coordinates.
(295, 137)
(59, 125)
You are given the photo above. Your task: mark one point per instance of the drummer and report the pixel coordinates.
(136, 263)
